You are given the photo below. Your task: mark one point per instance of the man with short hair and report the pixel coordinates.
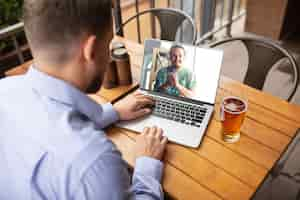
(175, 79)
(52, 143)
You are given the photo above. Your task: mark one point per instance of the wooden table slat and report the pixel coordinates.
(233, 163)
(265, 135)
(115, 93)
(205, 173)
(183, 188)
(246, 146)
(265, 117)
(98, 99)
(270, 102)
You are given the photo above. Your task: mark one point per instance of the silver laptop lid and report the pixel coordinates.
(181, 71)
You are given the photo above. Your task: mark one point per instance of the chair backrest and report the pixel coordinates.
(170, 20)
(263, 55)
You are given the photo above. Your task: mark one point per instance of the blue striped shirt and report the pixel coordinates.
(52, 145)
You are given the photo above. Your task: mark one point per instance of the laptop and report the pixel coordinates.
(183, 80)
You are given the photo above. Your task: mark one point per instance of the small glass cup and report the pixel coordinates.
(232, 114)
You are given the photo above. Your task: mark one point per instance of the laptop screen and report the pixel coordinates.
(181, 70)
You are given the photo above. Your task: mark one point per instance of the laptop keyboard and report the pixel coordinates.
(180, 112)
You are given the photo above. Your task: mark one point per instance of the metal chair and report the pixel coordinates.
(170, 21)
(262, 58)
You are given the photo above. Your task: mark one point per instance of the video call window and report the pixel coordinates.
(181, 70)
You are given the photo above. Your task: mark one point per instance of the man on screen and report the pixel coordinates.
(175, 79)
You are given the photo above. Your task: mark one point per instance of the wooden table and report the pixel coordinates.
(215, 170)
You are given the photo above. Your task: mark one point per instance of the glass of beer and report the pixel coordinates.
(233, 111)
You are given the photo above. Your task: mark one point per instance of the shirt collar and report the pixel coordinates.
(172, 68)
(64, 92)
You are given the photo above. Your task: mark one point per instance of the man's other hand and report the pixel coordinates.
(151, 143)
(134, 106)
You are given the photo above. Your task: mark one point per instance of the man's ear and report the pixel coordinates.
(89, 48)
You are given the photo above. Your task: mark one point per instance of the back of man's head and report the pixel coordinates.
(53, 26)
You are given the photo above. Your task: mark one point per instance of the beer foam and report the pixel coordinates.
(232, 107)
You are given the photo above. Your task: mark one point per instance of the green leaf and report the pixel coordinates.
(10, 11)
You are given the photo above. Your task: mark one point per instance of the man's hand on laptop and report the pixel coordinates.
(151, 143)
(134, 106)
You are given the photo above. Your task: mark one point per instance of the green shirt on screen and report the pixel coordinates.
(184, 77)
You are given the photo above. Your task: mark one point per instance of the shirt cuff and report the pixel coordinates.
(149, 167)
(110, 115)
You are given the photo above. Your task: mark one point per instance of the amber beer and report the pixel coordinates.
(233, 111)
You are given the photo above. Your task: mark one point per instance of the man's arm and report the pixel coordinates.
(146, 179)
(108, 116)
(133, 106)
(107, 178)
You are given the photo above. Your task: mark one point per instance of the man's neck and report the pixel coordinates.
(65, 72)
(176, 67)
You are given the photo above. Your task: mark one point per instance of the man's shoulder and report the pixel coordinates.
(12, 88)
(11, 81)
(186, 70)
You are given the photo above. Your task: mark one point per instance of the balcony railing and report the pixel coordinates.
(219, 15)
(210, 16)
(10, 32)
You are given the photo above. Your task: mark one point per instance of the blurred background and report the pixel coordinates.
(275, 20)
